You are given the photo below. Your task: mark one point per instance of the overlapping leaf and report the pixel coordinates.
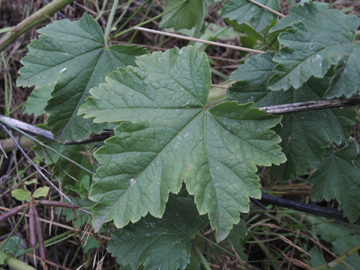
(173, 137)
(74, 57)
(338, 177)
(317, 39)
(304, 135)
(245, 11)
(188, 15)
(159, 243)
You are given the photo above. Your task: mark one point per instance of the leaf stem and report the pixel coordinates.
(32, 21)
(152, 19)
(109, 23)
(202, 258)
(15, 263)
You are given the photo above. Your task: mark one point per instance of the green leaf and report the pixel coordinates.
(14, 246)
(73, 56)
(38, 99)
(342, 239)
(3, 256)
(315, 40)
(41, 192)
(244, 11)
(188, 15)
(21, 194)
(171, 136)
(338, 178)
(159, 243)
(304, 135)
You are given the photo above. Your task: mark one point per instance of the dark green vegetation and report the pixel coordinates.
(195, 143)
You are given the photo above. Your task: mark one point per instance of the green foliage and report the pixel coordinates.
(172, 136)
(70, 58)
(244, 11)
(342, 239)
(304, 135)
(21, 194)
(38, 99)
(13, 247)
(159, 243)
(191, 13)
(338, 178)
(315, 40)
(41, 192)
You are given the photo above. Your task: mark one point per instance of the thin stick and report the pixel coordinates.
(267, 8)
(322, 211)
(28, 128)
(32, 21)
(46, 146)
(197, 40)
(311, 105)
(39, 171)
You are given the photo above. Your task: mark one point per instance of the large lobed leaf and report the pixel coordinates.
(304, 135)
(338, 178)
(68, 59)
(244, 11)
(170, 136)
(316, 39)
(159, 243)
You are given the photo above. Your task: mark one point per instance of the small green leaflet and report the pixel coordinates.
(71, 57)
(338, 177)
(14, 246)
(244, 11)
(304, 135)
(38, 99)
(169, 136)
(159, 243)
(315, 40)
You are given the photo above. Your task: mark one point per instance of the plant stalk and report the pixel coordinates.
(32, 21)
(15, 263)
(109, 23)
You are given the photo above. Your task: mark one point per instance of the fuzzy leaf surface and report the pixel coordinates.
(338, 178)
(170, 136)
(304, 135)
(315, 40)
(244, 11)
(159, 243)
(73, 57)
